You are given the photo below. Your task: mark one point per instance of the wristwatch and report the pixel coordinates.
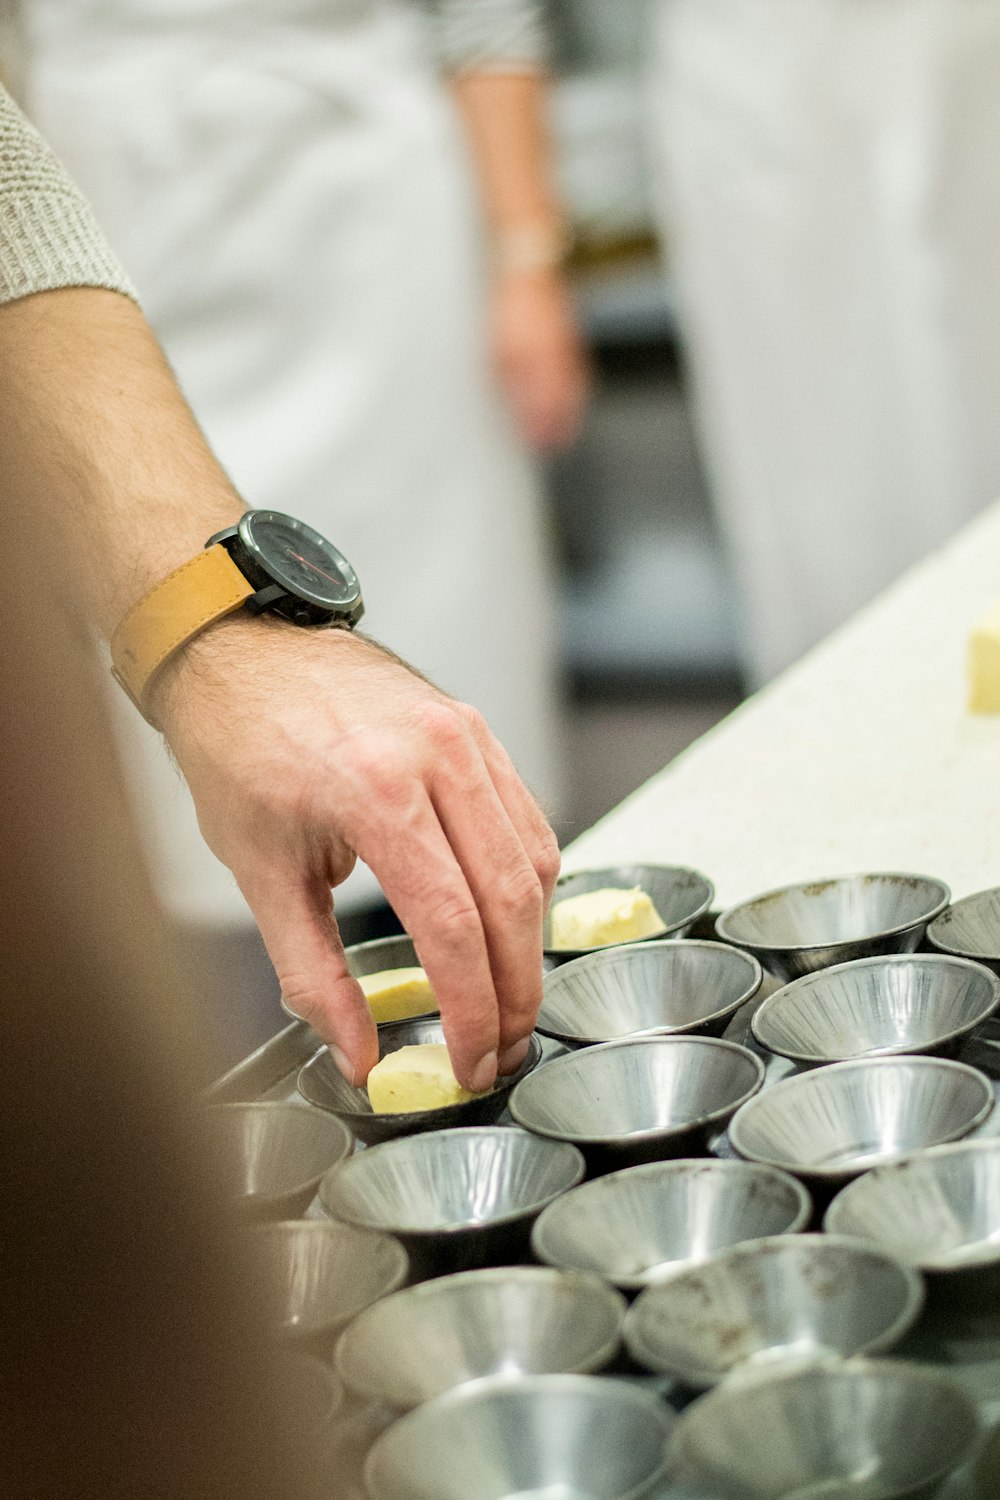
(267, 562)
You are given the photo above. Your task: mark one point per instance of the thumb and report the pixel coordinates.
(300, 932)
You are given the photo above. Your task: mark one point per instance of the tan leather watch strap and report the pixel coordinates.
(192, 597)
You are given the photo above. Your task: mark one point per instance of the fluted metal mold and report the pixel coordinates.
(870, 1429)
(323, 1085)
(801, 928)
(796, 1297)
(647, 989)
(638, 1226)
(524, 1320)
(323, 1274)
(680, 895)
(274, 1154)
(643, 1100)
(555, 1436)
(907, 1003)
(939, 1211)
(456, 1199)
(837, 1121)
(970, 928)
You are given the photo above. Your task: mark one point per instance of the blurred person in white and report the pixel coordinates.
(830, 201)
(290, 186)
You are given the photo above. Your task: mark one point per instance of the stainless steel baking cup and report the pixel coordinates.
(321, 1082)
(939, 1211)
(643, 1100)
(323, 1274)
(680, 895)
(795, 1298)
(516, 1320)
(970, 928)
(456, 1199)
(801, 928)
(543, 1436)
(647, 989)
(870, 1429)
(274, 1154)
(836, 1122)
(889, 1004)
(639, 1226)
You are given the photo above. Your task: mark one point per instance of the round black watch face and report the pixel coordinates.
(300, 559)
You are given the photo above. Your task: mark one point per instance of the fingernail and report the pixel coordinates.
(344, 1065)
(483, 1075)
(513, 1056)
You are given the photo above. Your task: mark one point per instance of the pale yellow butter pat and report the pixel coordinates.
(597, 918)
(415, 1078)
(398, 994)
(984, 665)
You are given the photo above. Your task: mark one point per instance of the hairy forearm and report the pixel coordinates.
(96, 441)
(504, 115)
(96, 437)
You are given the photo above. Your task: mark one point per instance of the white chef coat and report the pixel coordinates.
(286, 183)
(830, 199)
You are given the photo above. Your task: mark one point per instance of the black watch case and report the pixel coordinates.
(296, 572)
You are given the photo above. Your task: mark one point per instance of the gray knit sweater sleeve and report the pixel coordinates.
(48, 235)
(490, 35)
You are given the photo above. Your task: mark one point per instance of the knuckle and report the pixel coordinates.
(443, 723)
(300, 996)
(473, 721)
(519, 894)
(547, 861)
(457, 919)
(377, 766)
(373, 755)
(518, 1014)
(517, 1019)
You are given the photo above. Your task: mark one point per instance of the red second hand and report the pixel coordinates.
(306, 563)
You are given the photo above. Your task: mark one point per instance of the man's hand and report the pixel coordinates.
(539, 356)
(302, 748)
(305, 748)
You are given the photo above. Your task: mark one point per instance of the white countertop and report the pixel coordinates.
(861, 757)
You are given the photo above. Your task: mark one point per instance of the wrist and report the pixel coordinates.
(268, 563)
(204, 665)
(216, 667)
(536, 248)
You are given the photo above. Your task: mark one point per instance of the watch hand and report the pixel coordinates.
(306, 563)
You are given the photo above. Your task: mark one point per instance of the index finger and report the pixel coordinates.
(294, 911)
(422, 880)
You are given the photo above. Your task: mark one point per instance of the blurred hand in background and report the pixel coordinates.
(540, 356)
(536, 338)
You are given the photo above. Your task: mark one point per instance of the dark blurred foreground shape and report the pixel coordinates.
(131, 1368)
